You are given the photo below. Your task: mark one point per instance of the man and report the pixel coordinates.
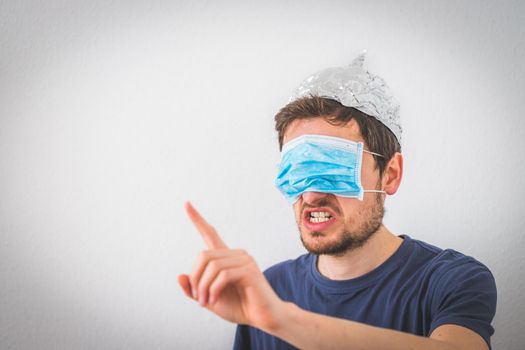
(360, 286)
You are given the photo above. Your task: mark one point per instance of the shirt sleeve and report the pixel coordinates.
(242, 338)
(465, 296)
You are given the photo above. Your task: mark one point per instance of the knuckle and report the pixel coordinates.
(243, 252)
(202, 255)
(217, 283)
(224, 275)
(213, 290)
(213, 265)
(202, 287)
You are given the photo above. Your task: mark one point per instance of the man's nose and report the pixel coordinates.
(312, 197)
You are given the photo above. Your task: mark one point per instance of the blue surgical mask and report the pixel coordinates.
(318, 163)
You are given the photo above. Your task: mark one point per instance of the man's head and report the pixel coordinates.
(351, 221)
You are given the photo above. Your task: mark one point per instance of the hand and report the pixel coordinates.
(228, 281)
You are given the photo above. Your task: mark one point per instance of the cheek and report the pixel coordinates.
(368, 177)
(354, 209)
(348, 207)
(297, 209)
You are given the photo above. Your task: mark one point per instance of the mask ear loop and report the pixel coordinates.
(374, 153)
(379, 155)
(375, 191)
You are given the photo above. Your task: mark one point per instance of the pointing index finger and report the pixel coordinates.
(208, 233)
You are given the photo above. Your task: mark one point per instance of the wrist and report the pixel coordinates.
(283, 315)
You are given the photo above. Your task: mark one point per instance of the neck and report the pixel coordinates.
(359, 261)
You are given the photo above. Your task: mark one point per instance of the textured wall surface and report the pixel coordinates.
(113, 113)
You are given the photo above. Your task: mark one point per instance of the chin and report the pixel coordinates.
(317, 243)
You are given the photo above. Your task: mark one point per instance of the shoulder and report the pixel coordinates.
(451, 266)
(457, 272)
(449, 263)
(447, 271)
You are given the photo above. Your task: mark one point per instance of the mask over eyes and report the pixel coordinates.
(318, 163)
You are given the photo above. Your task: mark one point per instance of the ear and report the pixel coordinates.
(393, 174)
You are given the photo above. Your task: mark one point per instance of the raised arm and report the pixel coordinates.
(229, 283)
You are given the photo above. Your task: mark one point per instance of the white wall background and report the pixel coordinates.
(113, 113)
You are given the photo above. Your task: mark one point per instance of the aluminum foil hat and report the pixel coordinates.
(353, 86)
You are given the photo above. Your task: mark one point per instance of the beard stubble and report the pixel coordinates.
(349, 240)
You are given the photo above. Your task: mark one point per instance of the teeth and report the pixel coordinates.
(317, 220)
(319, 214)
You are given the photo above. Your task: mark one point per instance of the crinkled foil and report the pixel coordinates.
(353, 86)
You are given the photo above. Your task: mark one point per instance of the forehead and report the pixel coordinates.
(320, 126)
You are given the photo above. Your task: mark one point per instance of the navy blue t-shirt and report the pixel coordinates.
(417, 289)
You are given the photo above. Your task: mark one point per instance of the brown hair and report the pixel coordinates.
(378, 138)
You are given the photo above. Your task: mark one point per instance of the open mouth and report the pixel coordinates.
(319, 216)
(317, 219)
